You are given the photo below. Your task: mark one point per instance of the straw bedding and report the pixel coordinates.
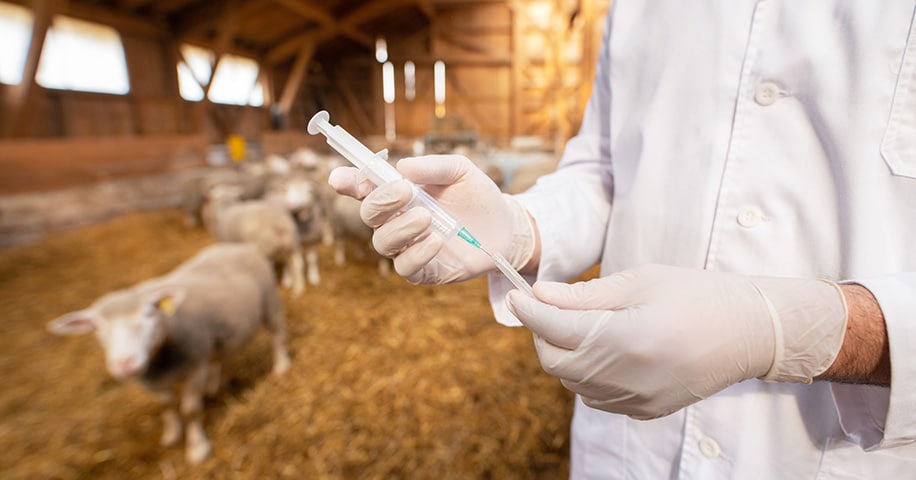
(388, 380)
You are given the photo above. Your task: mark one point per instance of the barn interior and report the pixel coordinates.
(115, 113)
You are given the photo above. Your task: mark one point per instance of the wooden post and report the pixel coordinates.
(22, 97)
(296, 78)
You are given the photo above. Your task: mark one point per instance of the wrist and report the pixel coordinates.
(865, 354)
(809, 321)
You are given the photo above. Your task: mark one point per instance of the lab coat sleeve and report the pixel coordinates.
(571, 206)
(877, 417)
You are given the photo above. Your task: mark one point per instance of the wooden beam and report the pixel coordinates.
(202, 16)
(470, 43)
(296, 78)
(19, 97)
(359, 114)
(326, 19)
(133, 4)
(515, 56)
(369, 11)
(460, 93)
(427, 9)
(347, 26)
(309, 11)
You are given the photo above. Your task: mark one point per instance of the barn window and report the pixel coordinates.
(84, 56)
(15, 35)
(235, 81)
(194, 71)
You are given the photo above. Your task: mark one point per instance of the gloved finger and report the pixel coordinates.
(409, 264)
(384, 202)
(551, 356)
(399, 232)
(563, 328)
(348, 181)
(435, 169)
(608, 293)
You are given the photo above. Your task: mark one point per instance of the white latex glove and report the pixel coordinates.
(649, 341)
(421, 256)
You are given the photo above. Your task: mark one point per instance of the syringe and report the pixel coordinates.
(376, 167)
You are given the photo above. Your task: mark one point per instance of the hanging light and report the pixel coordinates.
(381, 50)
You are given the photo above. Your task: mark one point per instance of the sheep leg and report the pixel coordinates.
(276, 324)
(171, 420)
(294, 268)
(311, 259)
(327, 234)
(340, 254)
(197, 447)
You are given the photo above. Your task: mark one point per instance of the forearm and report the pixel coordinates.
(864, 357)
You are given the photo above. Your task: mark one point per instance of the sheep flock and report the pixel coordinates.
(382, 380)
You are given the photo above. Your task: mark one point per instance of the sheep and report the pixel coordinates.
(250, 179)
(318, 168)
(298, 194)
(172, 332)
(348, 225)
(260, 222)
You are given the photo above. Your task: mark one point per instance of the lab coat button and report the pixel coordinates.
(749, 217)
(767, 93)
(709, 448)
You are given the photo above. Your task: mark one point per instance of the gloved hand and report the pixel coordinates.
(649, 341)
(423, 257)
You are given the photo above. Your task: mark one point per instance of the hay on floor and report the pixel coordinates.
(388, 380)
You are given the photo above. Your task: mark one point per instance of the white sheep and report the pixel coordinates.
(171, 333)
(298, 194)
(348, 226)
(262, 223)
(318, 168)
(196, 192)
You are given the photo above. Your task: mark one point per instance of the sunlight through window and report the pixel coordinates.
(15, 34)
(234, 81)
(84, 56)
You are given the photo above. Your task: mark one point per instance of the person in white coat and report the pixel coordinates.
(745, 174)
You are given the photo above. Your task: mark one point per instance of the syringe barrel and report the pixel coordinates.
(379, 171)
(442, 222)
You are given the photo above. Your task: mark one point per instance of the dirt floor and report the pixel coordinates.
(388, 380)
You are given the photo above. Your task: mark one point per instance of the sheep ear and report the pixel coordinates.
(168, 299)
(73, 323)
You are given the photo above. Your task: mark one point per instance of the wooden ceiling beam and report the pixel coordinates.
(228, 25)
(309, 11)
(347, 26)
(325, 18)
(202, 16)
(370, 11)
(427, 9)
(133, 4)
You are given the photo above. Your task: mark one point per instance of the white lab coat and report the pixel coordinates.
(762, 137)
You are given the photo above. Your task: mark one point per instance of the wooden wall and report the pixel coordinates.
(509, 73)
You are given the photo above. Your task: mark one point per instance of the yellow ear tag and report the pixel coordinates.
(166, 306)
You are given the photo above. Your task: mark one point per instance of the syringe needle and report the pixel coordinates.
(516, 278)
